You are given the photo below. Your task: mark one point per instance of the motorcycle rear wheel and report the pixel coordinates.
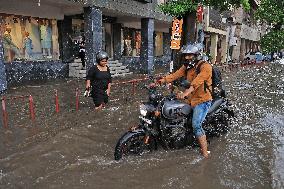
(131, 144)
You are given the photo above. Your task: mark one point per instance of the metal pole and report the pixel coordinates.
(229, 39)
(229, 24)
(4, 113)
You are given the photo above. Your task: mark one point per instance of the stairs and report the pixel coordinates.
(116, 69)
(75, 69)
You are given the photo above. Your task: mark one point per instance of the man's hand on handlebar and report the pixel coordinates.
(184, 95)
(157, 82)
(181, 95)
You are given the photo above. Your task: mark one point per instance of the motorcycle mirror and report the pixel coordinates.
(185, 84)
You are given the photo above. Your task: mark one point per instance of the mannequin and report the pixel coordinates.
(137, 42)
(10, 49)
(46, 38)
(128, 48)
(28, 46)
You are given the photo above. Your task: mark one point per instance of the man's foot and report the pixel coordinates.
(203, 145)
(206, 154)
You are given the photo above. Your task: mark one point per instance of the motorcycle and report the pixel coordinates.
(164, 120)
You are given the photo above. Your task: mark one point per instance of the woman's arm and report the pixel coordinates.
(88, 84)
(108, 89)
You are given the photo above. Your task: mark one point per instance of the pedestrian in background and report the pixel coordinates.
(82, 51)
(98, 80)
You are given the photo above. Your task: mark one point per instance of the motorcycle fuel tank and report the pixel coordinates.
(174, 109)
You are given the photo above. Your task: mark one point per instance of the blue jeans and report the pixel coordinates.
(199, 113)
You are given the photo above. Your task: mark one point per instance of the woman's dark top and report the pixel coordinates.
(99, 80)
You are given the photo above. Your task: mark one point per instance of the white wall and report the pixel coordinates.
(250, 33)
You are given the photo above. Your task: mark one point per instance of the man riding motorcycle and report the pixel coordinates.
(198, 94)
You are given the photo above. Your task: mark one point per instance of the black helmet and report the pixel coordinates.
(101, 55)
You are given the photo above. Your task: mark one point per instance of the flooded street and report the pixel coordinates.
(75, 149)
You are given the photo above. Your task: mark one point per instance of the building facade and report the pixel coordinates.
(37, 38)
(230, 35)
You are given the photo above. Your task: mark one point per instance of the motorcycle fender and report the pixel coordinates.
(129, 134)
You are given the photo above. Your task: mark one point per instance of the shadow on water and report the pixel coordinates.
(75, 149)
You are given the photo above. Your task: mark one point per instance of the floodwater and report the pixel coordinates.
(74, 149)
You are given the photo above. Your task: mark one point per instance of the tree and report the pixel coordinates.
(186, 9)
(272, 13)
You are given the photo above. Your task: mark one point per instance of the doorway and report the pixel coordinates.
(107, 39)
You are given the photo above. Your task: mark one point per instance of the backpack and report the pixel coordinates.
(217, 87)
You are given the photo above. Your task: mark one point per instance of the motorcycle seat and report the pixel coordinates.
(215, 104)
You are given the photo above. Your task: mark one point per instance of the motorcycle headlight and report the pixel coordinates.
(143, 110)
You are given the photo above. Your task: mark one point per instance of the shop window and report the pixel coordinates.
(159, 44)
(77, 28)
(30, 39)
(131, 42)
(77, 36)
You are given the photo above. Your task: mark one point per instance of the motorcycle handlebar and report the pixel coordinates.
(173, 88)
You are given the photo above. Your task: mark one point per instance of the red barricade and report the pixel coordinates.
(4, 108)
(31, 103)
(4, 113)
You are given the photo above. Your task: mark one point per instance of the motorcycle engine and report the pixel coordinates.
(174, 133)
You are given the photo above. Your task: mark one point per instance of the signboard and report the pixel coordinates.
(176, 34)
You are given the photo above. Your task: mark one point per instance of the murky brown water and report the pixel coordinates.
(75, 149)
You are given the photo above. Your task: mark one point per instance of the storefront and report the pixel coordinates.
(131, 44)
(38, 39)
(29, 38)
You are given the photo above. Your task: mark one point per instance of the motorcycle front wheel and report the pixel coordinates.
(131, 143)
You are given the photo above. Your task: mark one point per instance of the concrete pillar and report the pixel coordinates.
(3, 79)
(65, 40)
(243, 49)
(236, 51)
(93, 34)
(224, 45)
(213, 47)
(117, 38)
(166, 44)
(147, 45)
(237, 47)
(55, 43)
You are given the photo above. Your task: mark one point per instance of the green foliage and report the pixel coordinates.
(271, 11)
(179, 8)
(273, 41)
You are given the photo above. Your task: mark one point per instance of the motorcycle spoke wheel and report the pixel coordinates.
(133, 146)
